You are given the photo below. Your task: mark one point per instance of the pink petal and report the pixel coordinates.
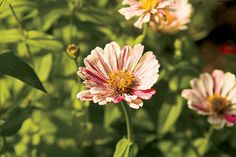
(207, 82)
(132, 11)
(112, 52)
(230, 118)
(199, 107)
(95, 77)
(232, 95)
(142, 19)
(216, 121)
(192, 95)
(118, 99)
(144, 94)
(125, 57)
(130, 2)
(218, 77)
(229, 83)
(85, 95)
(147, 62)
(136, 104)
(197, 85)
(137, 52)
(103, 59)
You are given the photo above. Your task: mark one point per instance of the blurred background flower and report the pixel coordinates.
(214, 95)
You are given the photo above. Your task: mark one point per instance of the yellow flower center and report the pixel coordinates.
(148, 4)
(121, 81)
(217, 103)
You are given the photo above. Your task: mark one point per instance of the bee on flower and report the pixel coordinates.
(113, 74)
(162, 15)
(214, 95)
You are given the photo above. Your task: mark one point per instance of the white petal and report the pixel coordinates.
(207, 82)
(229, 83)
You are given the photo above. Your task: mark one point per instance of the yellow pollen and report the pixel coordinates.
(148, 4)
(121, 81)
(217, 103)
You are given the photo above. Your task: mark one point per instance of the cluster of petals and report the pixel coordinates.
(175, 19)
(163, 15)
(113, 74)
(214, 95)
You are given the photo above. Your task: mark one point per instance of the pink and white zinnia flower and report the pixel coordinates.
(175, 19)
(113, 74)
(214, 95)
(144, 9)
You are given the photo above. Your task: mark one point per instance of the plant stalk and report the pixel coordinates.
(128, 121)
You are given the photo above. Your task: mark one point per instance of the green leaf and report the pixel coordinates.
(14, 119)
(15, 67)
(125, 148)
(1, 122)
(10, 36)
(43, 41)
(51, 17)
(3, 3)
(198, 148)
(43, 66)
(168, 116)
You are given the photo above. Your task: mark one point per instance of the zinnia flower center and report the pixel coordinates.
(148, 4)
(121, 81)
(217, 103)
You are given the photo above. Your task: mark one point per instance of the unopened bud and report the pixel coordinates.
(72, 51)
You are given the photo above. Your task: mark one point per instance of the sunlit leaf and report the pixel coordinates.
(43, 66)
(125, 148)
(3, 3)
(15, 67)
(10, 36)
(168, 116)
(44, 41)
(198, 148)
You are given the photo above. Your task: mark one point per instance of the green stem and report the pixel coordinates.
(76, 63)
(208, 136)
(22, 31)
(128, 121)
(144, 32)
(209, 133)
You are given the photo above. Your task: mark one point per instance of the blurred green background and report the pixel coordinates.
(38, 124)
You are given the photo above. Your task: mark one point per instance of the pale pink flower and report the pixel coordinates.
(113, 74)
(214, 95)
(144, 9)
(173, 20)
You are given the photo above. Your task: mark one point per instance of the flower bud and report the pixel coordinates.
(72, 51)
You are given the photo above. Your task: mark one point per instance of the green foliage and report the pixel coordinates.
(13, 120)
(15, 67)
(125, 148)
(38, 124)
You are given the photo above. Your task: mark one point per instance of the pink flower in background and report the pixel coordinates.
(173, 20)
(214, 95)
(113, 74)
(144, 9)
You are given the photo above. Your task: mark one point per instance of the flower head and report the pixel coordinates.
(145, 9)
(113, 74)
(173, 20)
(164, 15)
(214, 95)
